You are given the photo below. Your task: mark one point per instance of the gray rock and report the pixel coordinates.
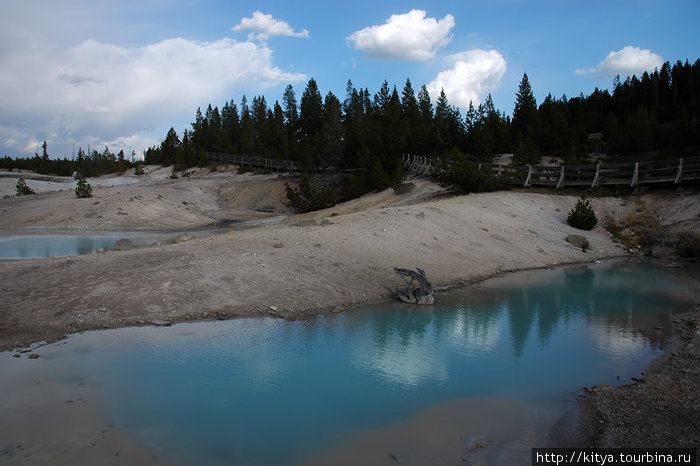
(161, 323)
(178, 239)
(123, 245)
(578, 241)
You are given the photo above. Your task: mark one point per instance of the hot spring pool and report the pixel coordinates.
(34, 245)
(269, 391)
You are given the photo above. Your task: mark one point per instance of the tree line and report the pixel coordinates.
(86, 164)
(652, 115)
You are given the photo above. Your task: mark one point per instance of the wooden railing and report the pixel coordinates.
(632, 174)
(254, 161)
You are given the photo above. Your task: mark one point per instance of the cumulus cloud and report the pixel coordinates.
(265, 26)
(630, 60)
(101, 93)
(410, 36)
(473, 74)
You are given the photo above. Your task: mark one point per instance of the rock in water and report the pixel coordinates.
(419, 293)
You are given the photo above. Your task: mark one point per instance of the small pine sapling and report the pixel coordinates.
(83, 189)
(582, 216)
(21, 188)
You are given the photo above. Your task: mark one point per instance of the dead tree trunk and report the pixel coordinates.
(420, 293)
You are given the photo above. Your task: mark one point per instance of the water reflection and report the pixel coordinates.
(406, 350)
(476, 330)
(615, 339)
(83, 245)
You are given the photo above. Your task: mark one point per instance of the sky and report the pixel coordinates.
(79, 73)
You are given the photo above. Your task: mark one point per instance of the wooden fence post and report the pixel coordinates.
(679, 174)
(560, 183)
(528, 180)
(596, 178)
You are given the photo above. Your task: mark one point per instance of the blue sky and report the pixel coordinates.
(121, 73)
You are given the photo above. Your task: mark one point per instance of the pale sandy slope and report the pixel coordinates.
(303, 264)
(152, 201)
(328, 263)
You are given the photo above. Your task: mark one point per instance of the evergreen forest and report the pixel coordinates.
(652, 116)
(648, 117)
(86, 164)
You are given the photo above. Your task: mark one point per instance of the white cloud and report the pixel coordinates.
(265, 26)
(102, 93)
(410, 36)
(473, 74)
(628, 61)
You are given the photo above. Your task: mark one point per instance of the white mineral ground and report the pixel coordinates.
(297, 265)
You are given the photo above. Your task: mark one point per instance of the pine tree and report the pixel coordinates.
(247, 128)
(262, 130)
(331, 141)
(291, 118)
(21, 188)
(448, 124)
(278, 135)
(354, 123)
(414, 127)
(169, 147)
(525, 112)
(311, 116)
(230, 127)
(429, 140)
(392, 127)
(83, 189)
(582, 215)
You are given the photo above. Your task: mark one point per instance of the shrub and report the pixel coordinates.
(582, 216)
(306, 198)
(139, 169)
(83, 189)
(21, 188)
(456, 172)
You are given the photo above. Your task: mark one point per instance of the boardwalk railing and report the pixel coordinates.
(633, 174)
(254, 161)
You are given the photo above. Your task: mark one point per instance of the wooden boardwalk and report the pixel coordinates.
(254, 161)
(633, 174)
